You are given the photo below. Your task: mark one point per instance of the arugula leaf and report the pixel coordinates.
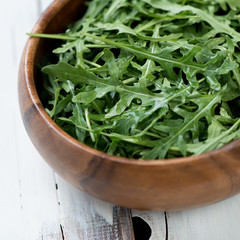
(174, 8)
(148, 79)
(64, 72)
(217, 137)
(186, 63)
(116, 26)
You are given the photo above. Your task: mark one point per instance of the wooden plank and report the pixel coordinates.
(28, 206)
(39, 207)
(156, 221)
(215, 222)
(84, 217)
(10, 205)
(9, 185)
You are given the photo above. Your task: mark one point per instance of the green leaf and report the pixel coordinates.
(186, 63)
(218, 136)
(112, 64)
(52, 112)
(121, 28)
(174, 8)
(64, 72)
(149, 79)
(190, 123)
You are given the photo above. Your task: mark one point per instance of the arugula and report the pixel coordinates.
(148, 79)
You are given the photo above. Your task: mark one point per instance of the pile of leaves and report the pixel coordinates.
(148, 79)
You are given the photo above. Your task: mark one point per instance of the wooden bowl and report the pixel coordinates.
(151, 185)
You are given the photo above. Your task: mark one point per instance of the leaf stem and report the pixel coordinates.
(129, 80)
(92, 63)
(89, 125)
(97, 46)
(52, 36)
(148, 25)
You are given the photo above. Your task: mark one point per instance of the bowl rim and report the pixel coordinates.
(28, 64)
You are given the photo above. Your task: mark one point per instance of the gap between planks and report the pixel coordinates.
(83, 217)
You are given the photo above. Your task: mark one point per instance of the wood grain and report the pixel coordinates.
(84, 217)
(210, 222)
(169, 185)
(156, 221)
(29, 203)
(24, 204)
(215, 222)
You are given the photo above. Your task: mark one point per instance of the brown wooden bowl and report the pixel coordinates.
(151, 185)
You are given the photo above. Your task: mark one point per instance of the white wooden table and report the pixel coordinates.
(37, 204)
